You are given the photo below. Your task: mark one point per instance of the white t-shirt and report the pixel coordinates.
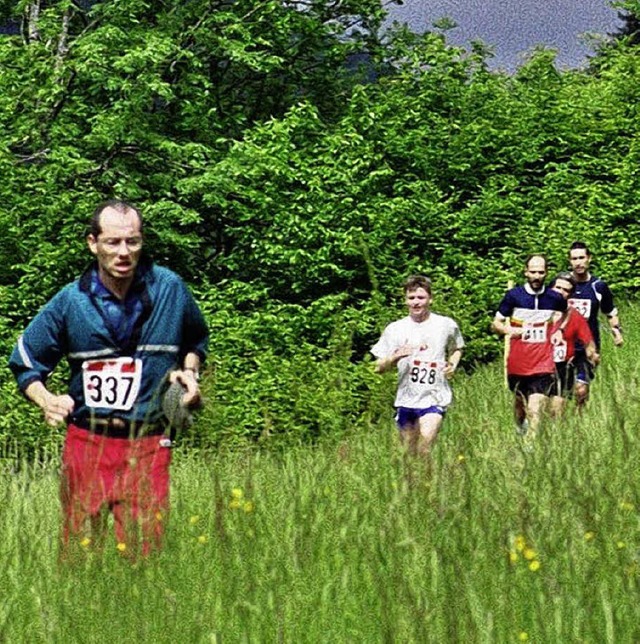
(421, 381)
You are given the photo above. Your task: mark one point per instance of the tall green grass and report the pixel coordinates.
(351, 541)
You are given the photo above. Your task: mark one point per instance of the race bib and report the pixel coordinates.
(426, 375)
(582, 306)
(560, 352)
(113, 383)
(535, 334)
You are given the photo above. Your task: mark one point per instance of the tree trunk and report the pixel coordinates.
(33, 17)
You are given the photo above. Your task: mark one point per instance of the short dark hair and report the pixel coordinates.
(566, 276)
(579, 245)
(530, 257)
(117, 204)
(414, 282)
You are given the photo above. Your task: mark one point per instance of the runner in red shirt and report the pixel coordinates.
(573, 327)
(525, 315)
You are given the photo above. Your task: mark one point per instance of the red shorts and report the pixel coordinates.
(129, 477)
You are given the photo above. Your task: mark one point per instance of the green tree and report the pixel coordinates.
(130, 97)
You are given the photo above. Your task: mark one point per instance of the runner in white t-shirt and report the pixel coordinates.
(426, 349)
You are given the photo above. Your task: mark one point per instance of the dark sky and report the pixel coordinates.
(513, 27)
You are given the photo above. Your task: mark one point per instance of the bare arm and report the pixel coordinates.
(189, 376)
(55, 408)
(452, 363)
(614, 325)
(592, 355)
(384, 364)
(501, 326)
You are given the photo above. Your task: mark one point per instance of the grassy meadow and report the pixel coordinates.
(350, 541)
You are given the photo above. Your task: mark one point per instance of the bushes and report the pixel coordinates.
(266, 382)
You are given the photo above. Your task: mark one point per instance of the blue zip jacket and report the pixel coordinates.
(71, 324)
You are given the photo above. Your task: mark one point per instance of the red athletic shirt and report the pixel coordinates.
(531, 353)
(577, 328)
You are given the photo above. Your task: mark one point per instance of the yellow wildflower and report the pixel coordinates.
(237, 493)
(534, 565)
(590, 535)
(461, 458)
(513, 557)
(234, 504)
(529, 554)
(248, 506)
(159, 516)
(121, 546)
(194, 519)
(86, 542)
(520, 543)
(621, 545)
(523, 636)
(203, 538)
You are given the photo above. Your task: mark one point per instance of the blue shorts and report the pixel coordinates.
(407, 416)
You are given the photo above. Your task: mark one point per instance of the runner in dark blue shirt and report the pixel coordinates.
(590, 297)
(525, 316)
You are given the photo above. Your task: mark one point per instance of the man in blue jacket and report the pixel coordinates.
(127, 328)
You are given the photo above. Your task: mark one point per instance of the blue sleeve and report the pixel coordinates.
(42, 345)
(606, 303)
(194, 333)
(507, 305)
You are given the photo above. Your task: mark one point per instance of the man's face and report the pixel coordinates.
(118, 246)
(536, 272)
(580, 260)
(564, 287)
(418, 302)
